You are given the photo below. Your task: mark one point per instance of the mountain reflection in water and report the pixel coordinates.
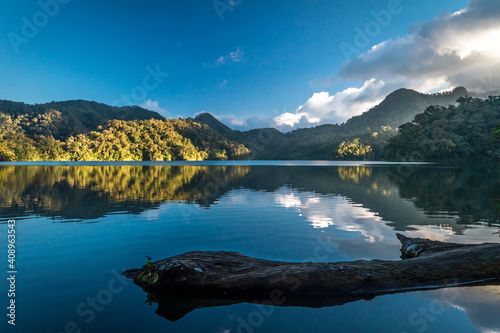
(406, 196)
(276, 212)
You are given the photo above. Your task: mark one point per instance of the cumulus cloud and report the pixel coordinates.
(455, 49)
(154, 106)
(321, 108)
(325, 108)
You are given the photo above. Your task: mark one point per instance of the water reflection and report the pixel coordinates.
(467, 194)
(276, 213)
(481, 304)
(90, 192)
(406, 196)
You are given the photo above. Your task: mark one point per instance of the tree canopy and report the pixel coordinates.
(354, 150)
(31, 138)
(89, 131)
(465, 132)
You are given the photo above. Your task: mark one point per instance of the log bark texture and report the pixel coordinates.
(183, 283)
(430, 265)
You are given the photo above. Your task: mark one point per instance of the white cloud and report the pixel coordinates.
(334, 211)
(221, 60)
(323, 107)
(455, 49)
(154, 106)
(235, 56)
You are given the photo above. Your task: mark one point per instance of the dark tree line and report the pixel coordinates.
(81, 130)
(469, 131)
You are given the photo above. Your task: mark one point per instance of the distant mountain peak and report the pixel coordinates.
(400, 107)
(460, 90)
(401, 92)
(209, 119)
(205, 116)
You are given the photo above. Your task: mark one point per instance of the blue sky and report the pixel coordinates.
(251, 63)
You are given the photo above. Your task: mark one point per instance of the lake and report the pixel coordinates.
(79, 225)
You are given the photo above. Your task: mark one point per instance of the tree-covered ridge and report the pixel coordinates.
(81, 130)
(466, 132)
(373, 128)
(26, 137)
(400, 107)
(69, 118)
(215, 145)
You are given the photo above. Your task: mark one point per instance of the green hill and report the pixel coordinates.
(463, 132)
(400, 107)
(374, 128)
(63, 119)
(81, 130)
(89, 131)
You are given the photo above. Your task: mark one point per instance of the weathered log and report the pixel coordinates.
(218, 278)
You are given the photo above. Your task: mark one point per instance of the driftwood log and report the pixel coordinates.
(192, 280)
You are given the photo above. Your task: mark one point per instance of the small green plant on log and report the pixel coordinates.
(149, 274)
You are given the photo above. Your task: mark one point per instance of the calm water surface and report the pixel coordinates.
(80, 225)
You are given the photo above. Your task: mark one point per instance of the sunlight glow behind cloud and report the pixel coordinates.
(455, 49)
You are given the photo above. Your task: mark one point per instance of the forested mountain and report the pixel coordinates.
(400, 107)
(81, 130)
(63, 119)
(264, 143)
(213, 123)
(465, 132)
(361, 137)
(37, 137)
